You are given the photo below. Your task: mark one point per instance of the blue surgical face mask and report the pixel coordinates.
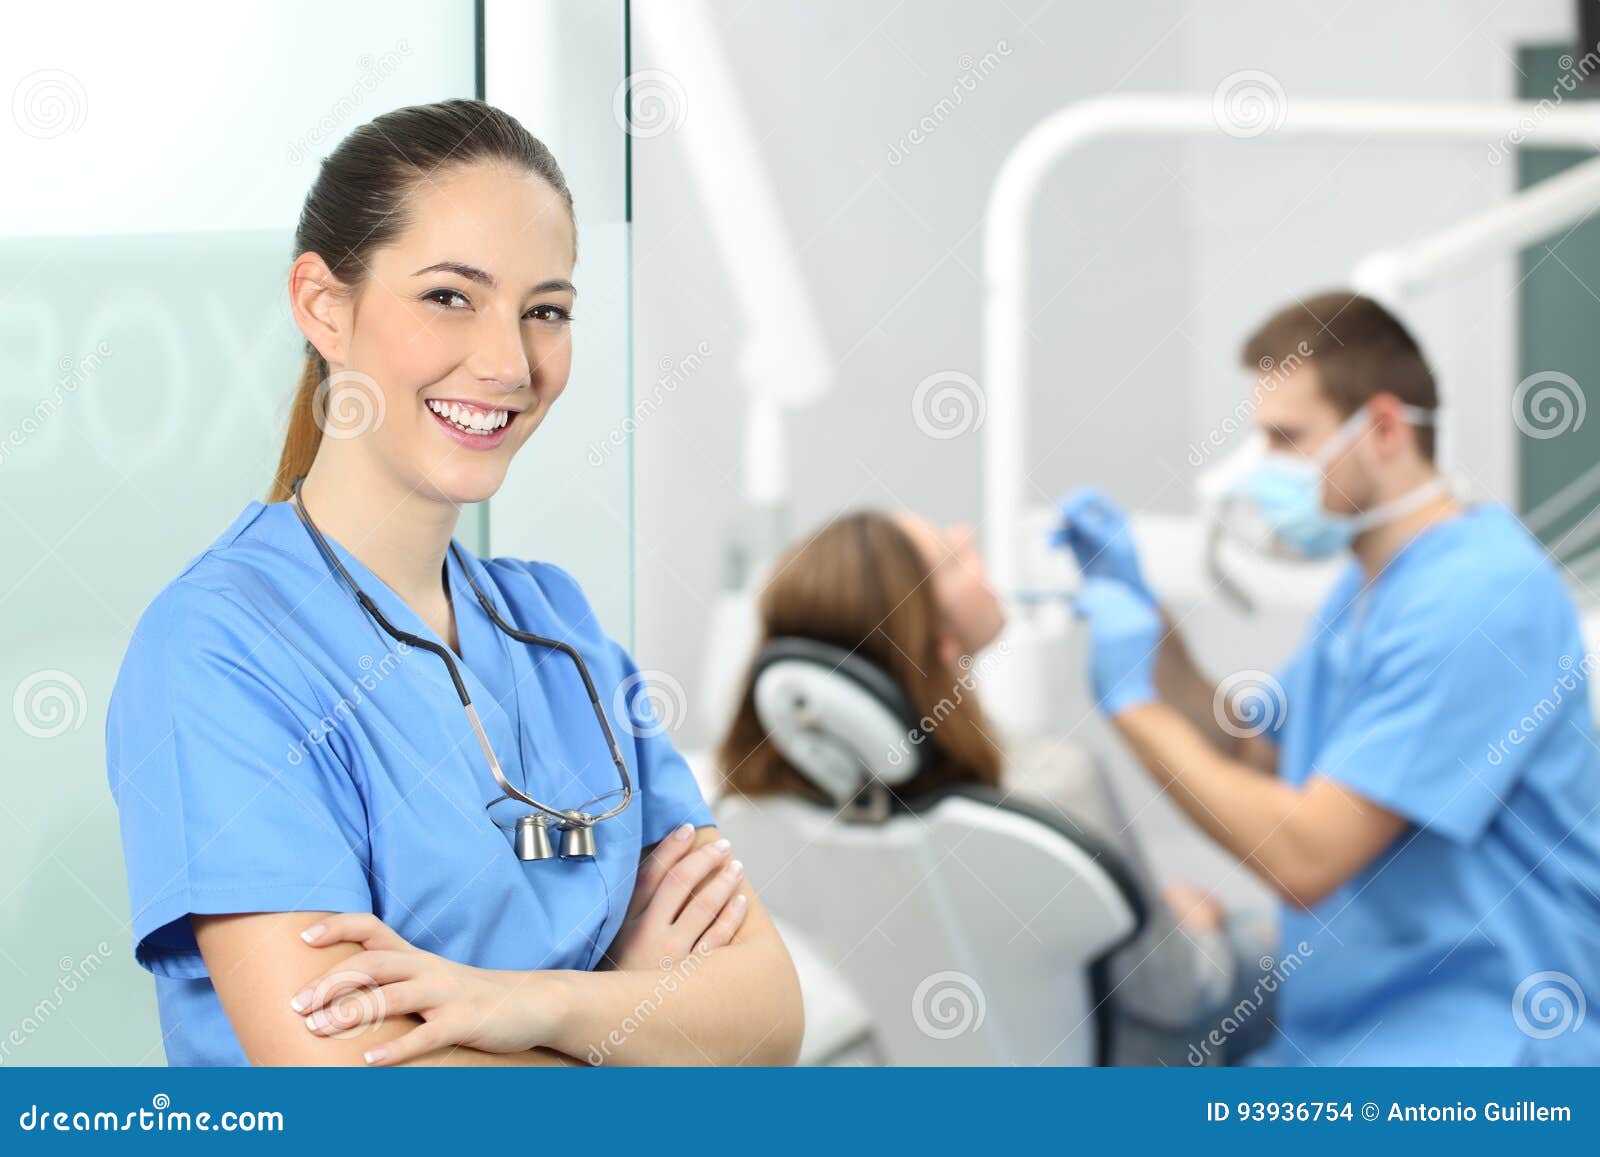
(1286, 490)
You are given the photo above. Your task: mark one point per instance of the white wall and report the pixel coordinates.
(1279, 222)
(892, 252)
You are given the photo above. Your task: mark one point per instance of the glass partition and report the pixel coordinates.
(147, 360)
(561, 69)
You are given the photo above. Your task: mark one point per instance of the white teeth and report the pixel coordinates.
(471, 420)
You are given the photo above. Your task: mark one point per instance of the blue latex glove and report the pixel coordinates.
(1096, 531)
(1125, 632)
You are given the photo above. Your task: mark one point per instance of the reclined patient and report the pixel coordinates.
(913, 600)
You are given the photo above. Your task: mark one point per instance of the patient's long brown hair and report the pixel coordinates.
(861, 583)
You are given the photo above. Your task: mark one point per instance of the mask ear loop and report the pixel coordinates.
(1414, 499)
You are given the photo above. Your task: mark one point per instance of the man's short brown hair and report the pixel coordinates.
(1359, 349)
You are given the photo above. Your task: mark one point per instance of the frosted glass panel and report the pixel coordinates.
(154, 173)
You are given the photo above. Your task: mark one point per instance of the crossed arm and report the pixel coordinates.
(698, 975)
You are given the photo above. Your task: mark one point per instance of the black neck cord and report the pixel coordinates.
(444, 652)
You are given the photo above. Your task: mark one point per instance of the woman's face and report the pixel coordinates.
(972, 614)
(465, 319)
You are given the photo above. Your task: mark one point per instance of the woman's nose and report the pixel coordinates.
(499, 356)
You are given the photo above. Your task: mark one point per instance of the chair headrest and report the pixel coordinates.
(839, 719)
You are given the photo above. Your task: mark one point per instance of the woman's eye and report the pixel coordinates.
(549, 313)
(436, 294)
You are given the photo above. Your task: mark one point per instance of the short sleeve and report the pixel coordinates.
(642, 706)
(231, 790)
(1438, 686)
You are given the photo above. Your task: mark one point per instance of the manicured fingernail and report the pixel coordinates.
(683, 832)
(373, 1056)
(316, 1020)
(301, 1000)
(722, 845)
(735, 869)
(311, 934)
(738, 901)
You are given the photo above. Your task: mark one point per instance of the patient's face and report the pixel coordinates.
(972, 613)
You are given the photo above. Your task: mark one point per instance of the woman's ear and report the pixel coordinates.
(319, 301)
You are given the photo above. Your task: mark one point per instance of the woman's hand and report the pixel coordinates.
(685, 900)
(493, 1010)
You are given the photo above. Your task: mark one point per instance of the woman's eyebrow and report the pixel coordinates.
(473, 273)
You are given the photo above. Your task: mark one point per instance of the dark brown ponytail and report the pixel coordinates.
(358, 205)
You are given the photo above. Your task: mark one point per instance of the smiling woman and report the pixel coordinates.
(415, 239)
(366, 900)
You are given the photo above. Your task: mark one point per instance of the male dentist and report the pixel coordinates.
(1424, 794)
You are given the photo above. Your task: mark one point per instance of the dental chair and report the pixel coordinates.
(959, 928)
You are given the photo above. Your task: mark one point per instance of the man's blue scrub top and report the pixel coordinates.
(1453, 690)
(271, 748)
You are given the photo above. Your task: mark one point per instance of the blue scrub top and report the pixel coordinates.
(1453, 690)
(271, 748)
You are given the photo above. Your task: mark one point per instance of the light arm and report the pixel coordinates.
(257, 960)
(1304, 842)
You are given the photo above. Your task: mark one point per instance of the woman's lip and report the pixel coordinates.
(473, 441)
